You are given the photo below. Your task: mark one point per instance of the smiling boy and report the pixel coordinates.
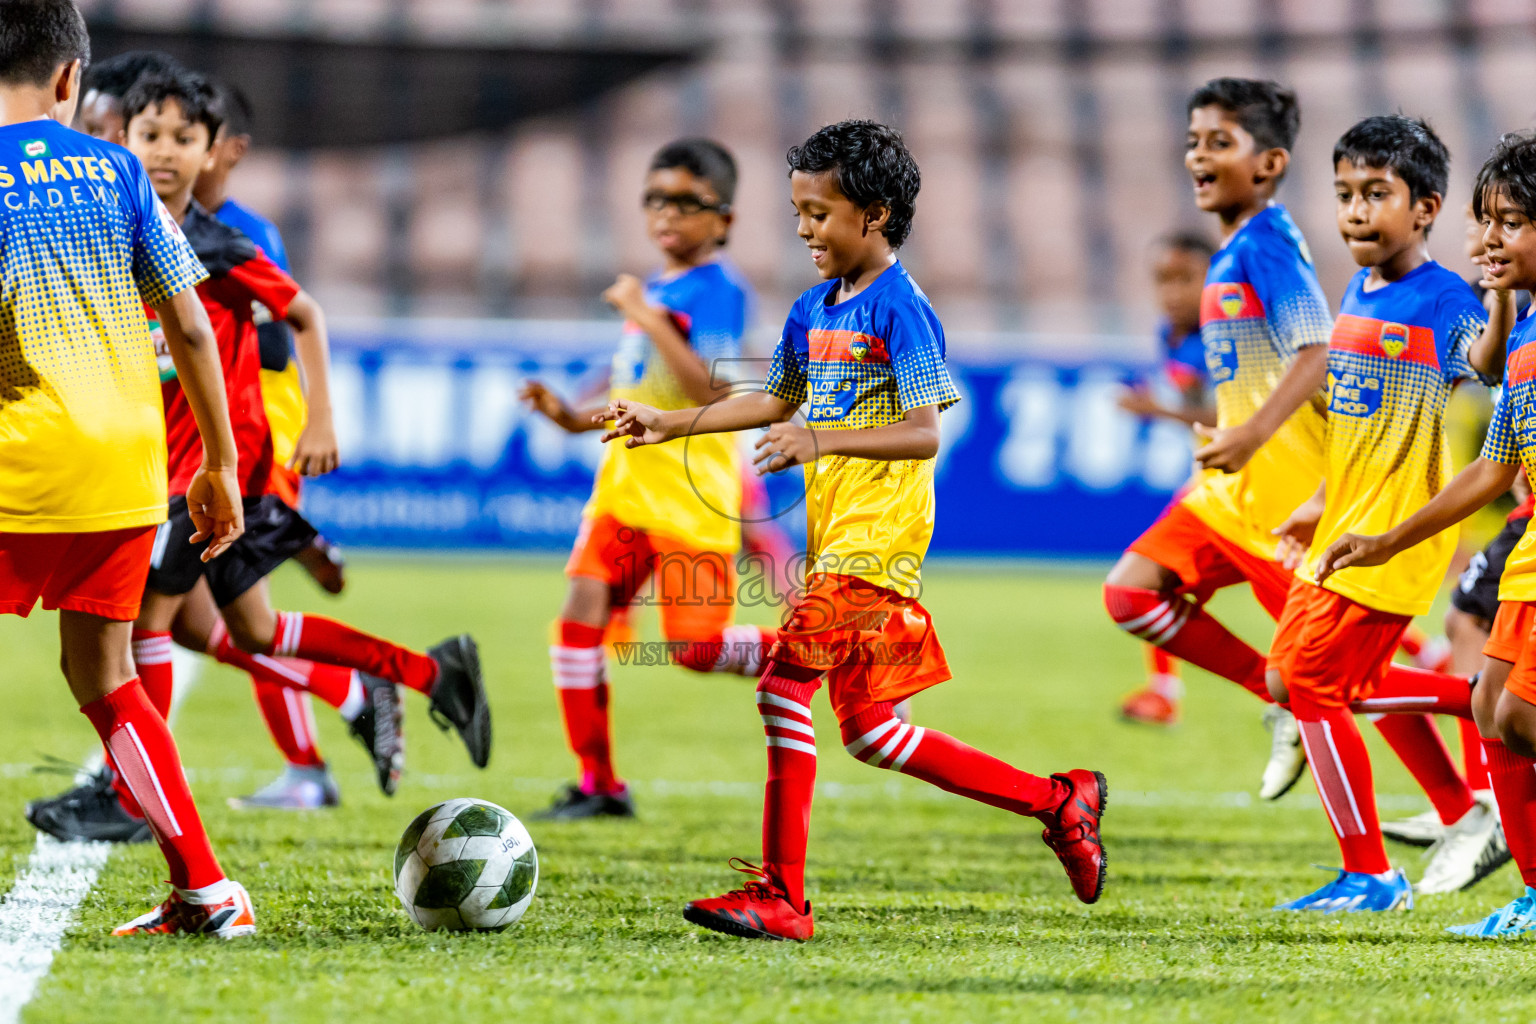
(1408, 331)
(866, 351)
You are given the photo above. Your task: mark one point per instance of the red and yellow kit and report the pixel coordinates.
(864, 363)
(1396, 353)
(1262, 305)
(84, 244)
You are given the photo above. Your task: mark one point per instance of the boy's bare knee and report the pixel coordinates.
(1277, 687)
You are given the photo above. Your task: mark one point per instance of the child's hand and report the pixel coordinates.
(315, 453)
(1296, 533)
(1227, 450)
(540, 399)
(637, 424)
(1138, 402)
(216, 509)
(1352, 549)
(784, 445)
(625, 294)
(1481, 262)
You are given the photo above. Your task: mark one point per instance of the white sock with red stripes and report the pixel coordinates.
(877, 737)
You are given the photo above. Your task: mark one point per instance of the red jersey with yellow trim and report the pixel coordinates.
(1262, 304)
(1396, 353)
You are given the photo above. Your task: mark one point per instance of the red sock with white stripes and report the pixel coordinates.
(1514, 788)
(1417, 742)
(291, 722)
(1472, 764)
(152, 660)
(875, 736)
(784, 701)
(317, 638)
(1406, 689)
(146, 758)
(337, 685)
(1341, 767)
(578, 665)
(739, 650)
(1185, 630)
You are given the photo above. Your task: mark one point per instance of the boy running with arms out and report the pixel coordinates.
(668, 515)
(866, 350)
(1408, 331)
(84, 243)
(1504, 699)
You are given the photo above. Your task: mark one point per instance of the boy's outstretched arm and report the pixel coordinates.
(1229, 450)
(213, 496)
(627, 295)
(537, 396)
(641, 424)
(315, 452)
(1473, 488)
(1487, 353)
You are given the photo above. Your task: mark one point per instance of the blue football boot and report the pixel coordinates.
(1355, 891)
(1515, 918)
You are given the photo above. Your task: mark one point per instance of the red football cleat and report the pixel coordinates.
(761, 910)
(1074, 837)
(229, 918)
(1149, 707)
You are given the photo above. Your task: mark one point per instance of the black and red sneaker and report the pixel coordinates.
(761, 910)
(1074, 835)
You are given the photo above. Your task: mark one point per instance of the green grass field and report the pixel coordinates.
(928, 907)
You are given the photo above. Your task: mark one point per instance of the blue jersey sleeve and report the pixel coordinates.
(916, 344)
(1500, 444)
(716, 309)
(1460, 320)
(163, 262)
(787, 374)
(1281, 275)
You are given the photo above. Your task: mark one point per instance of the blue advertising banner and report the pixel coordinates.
(438, 452)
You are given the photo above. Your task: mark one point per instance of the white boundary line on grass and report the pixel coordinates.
(38, 910)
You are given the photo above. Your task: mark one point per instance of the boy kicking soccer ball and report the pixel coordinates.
(866, 351)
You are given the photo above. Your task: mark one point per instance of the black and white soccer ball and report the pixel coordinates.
(466, 865)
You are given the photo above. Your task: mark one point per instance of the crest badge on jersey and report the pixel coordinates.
(1231, 298)
(1394, 339)
(859, 348)
(34, 148)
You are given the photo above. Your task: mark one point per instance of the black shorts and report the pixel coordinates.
(273, 534)
(1477, 591)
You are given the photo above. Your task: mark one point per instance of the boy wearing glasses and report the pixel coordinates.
(665, 518)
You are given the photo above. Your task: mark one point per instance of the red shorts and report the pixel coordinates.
(1204, 561)
(695, 591)
(96, 573)
(873, 644)
(1512, 641)
(1333, 649)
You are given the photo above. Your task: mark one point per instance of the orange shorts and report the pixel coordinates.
(695, 591)
(873, 644)
(1512, 641)
(95, 573)
(1333, 649)
(285, 483)
(1205, 562)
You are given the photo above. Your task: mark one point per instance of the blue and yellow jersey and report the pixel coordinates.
(1183, 356)
(84, 244)
(865, 363)
(1396, 353)
(1262, 305)
(1512, 440)
(691, 490)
